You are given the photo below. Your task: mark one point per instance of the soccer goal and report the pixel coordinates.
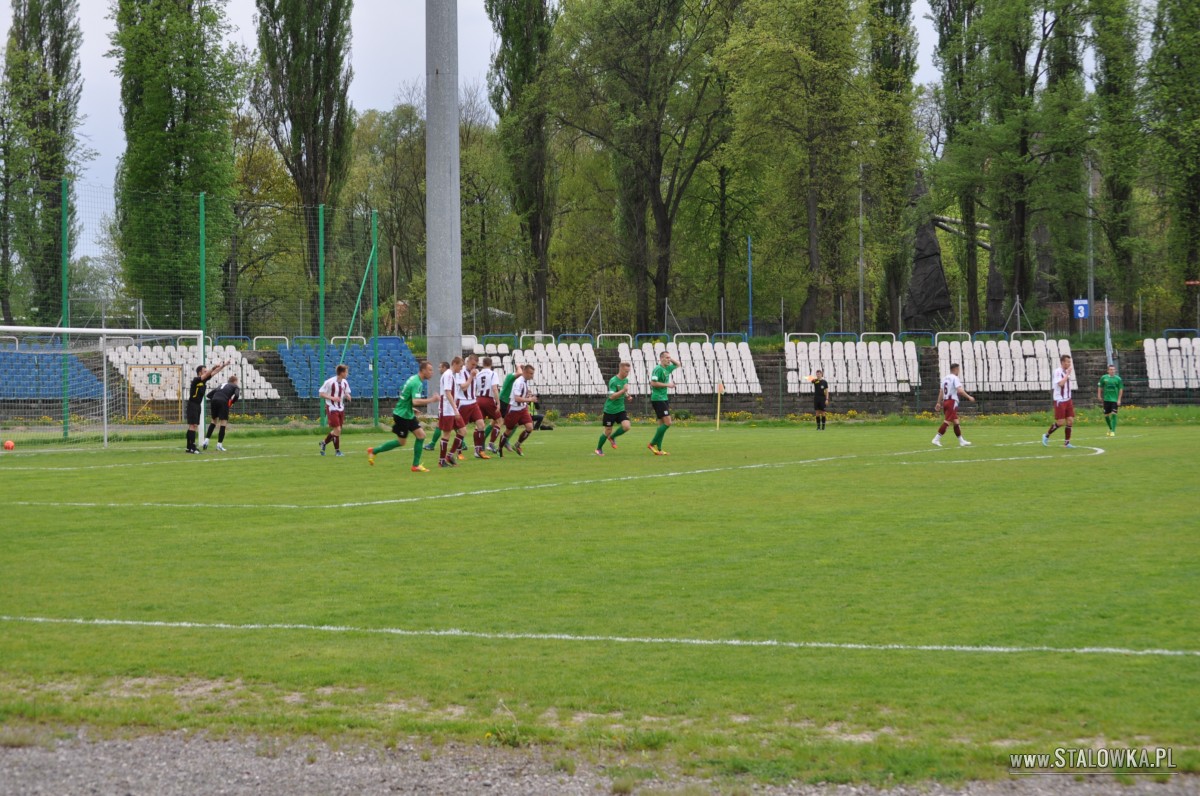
(84, 385)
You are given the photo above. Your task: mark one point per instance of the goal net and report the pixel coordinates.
(89, 385)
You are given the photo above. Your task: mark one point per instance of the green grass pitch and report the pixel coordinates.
(861, 534)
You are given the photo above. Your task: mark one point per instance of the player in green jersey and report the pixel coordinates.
(404, 418)
(1110, 390)
(660, 383)
(614, 409)
(506, 388)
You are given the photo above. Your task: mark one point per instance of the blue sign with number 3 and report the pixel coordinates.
(1082, 309)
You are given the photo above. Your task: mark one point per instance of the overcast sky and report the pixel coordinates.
(388, 52)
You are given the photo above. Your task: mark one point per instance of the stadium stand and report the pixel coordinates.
(35, 372)
(1172, 363)
(1005, 365)
(179, 362)
(704, 366)
(857, 367)
(396, 364)
(562, 368)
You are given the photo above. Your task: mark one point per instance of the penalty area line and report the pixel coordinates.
(601, 639)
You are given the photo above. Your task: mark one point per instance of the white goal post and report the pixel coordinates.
(76, 384)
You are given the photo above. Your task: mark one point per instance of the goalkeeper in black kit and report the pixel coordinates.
(220, 401)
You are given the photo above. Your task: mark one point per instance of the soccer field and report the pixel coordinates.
(849, 604)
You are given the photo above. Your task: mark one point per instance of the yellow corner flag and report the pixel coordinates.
(720, 392)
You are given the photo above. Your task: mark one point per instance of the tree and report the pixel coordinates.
(893, 171)
(799, 102)
(1119, 138)
(638, 77)
(177, 93)
(302, 97)
(43, 84)
(1173, 81)
(959, 54)
(519, 97)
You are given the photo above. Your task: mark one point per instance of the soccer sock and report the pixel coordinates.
(221, 434)
(822, 422)
(658, 435)
(478, 440)
(487, 431)
(1068, 433)
(524, 436)
(445, 445)
(618, 431)
(191, 439)
(942, 429)
(459, 442)
(1053, 428)
(603, 439)
(389, 445)
(495, 432)
(208, 434)
(418, 449)
(1114, 422)
(957, 431)
(329, 438)
(337, 442)
(437, 434)
(662, 435)
(817, 420)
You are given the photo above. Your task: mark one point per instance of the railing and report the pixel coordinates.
(16, 342)
(742, 337)
(891, 337)
(991, 333)
(661, 337)
(816, 338)
(207, 341)
(918, 333)
(506, 337)
(600, 338)
(333, 340)
(675, 338)
(1019, 335)
(852, 335)
(238, 338)
(305, 339)
(590, 338)
(469, 341)
(254, 342)
(1193, 332)
(537, 336)
(937, 338)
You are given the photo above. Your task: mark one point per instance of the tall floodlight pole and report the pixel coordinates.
(443, 223)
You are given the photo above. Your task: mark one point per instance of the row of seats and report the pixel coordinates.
(561, 368)
(178, 365)
(35, 373)
(1005, 365)
(1172, 364)
(304, 367)
(703, 366)
(871, 367)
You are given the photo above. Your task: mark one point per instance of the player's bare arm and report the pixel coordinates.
(964, 394)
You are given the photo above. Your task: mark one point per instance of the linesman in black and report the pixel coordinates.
(195, 402)
(820, 397)
(220, 401)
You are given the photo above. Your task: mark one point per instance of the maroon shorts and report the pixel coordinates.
(448, 423)
(470, 412)
(950, 411)
(517, 417)
(1064, 409)
(336, 417)
(489, 409)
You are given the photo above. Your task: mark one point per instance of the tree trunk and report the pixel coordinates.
(967, 202)
(723, 235)
(995, 294)
(808, 312)
(662, 258)
(311, 226)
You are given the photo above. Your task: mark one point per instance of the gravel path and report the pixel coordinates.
(181, 765)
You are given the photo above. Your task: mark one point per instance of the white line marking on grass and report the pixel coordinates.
(217, 458)
(692, 642)
(90, 449)
(423, 498)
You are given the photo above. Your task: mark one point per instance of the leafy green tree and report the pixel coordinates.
(1119, 140)
(178, 80)
(656, 114)
(799, 102)
(43, 84)
(302, 97)
(892, 175)
(1173, 83)
(519, 92)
